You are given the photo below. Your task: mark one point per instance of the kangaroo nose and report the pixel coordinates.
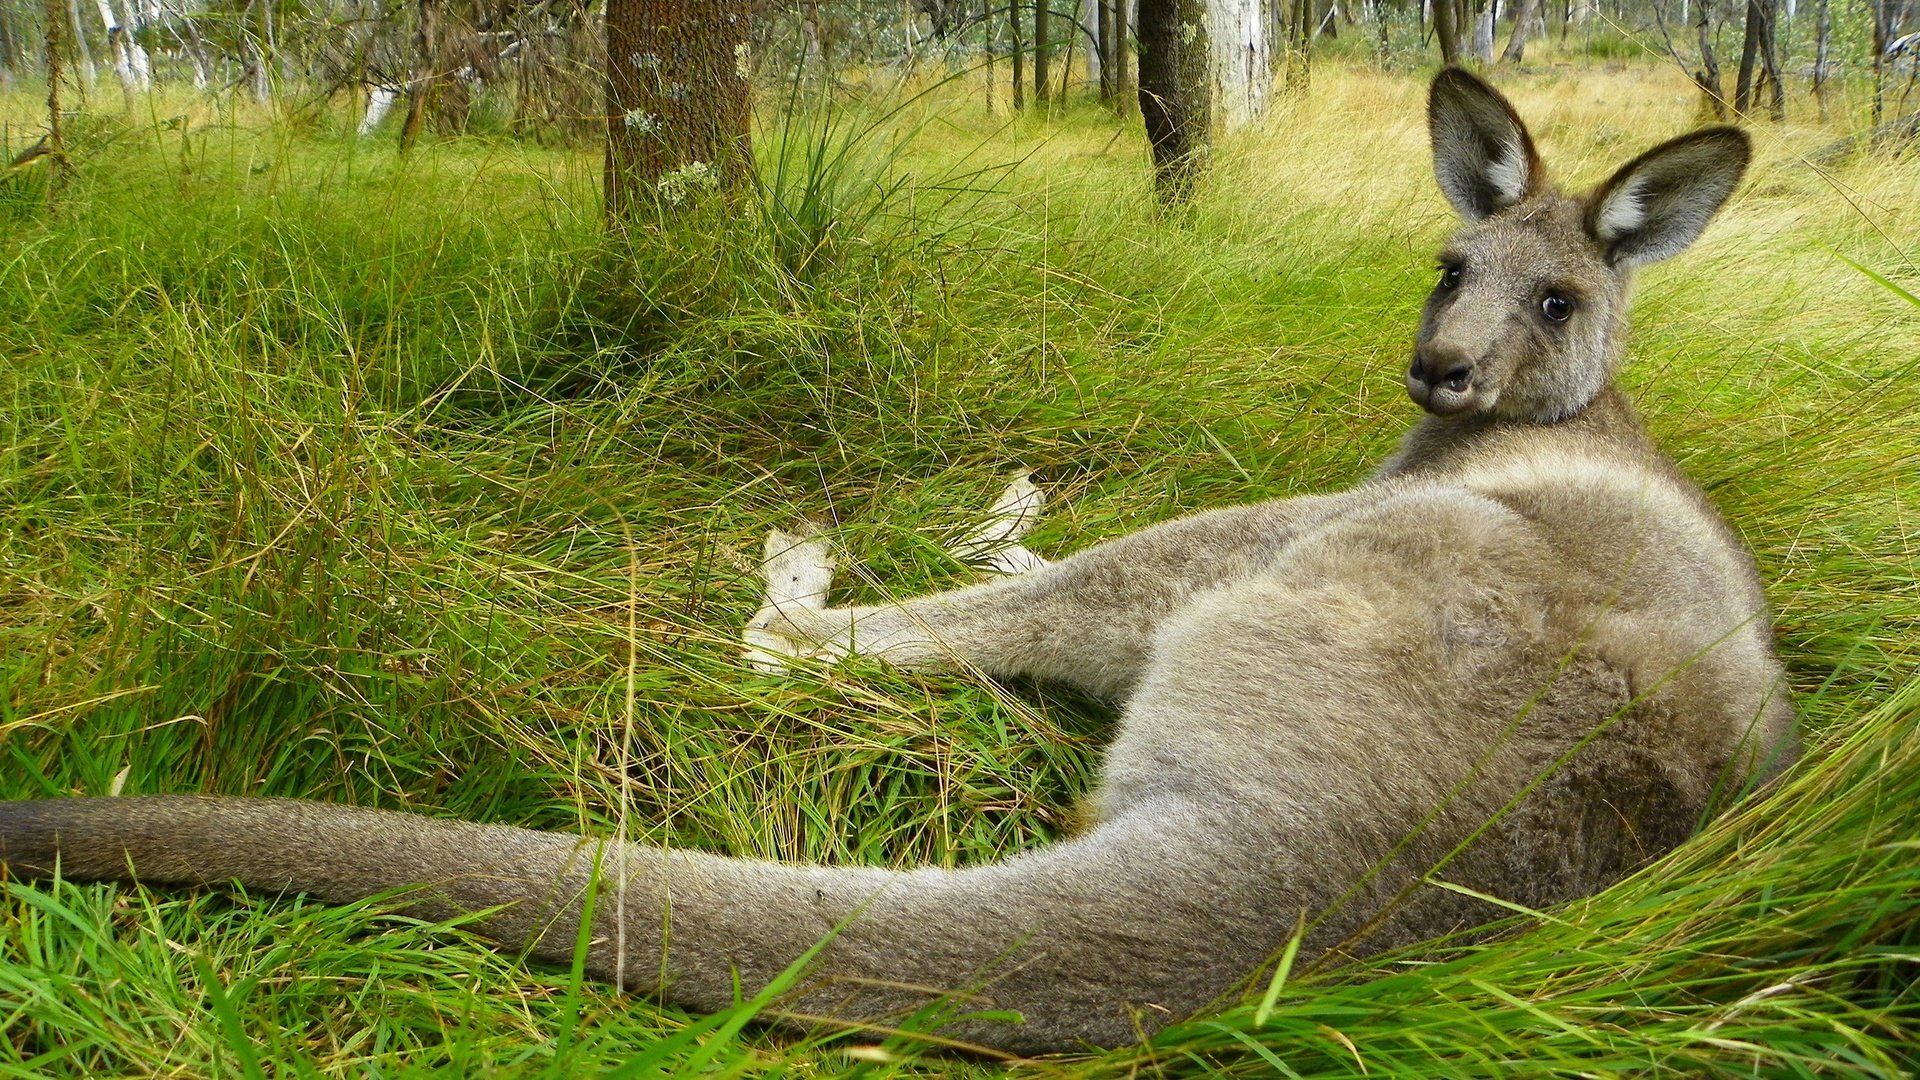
(1440, 380)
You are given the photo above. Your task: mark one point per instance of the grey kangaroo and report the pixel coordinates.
(1524, 658)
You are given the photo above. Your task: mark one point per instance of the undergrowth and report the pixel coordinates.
(330, 473)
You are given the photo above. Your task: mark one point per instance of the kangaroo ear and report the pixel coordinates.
(1482, 154)
(1659, 202)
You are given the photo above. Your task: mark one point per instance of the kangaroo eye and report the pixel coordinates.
(1449, 277)
(1556, 307)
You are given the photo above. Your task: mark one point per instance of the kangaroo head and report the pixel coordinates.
(1528, 320)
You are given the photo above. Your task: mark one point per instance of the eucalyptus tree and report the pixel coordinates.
(678, 101)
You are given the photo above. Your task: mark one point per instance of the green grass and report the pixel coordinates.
(330, 474)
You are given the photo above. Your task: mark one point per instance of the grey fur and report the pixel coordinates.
(1322, 699)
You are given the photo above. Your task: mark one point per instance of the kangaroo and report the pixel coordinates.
(1523, 658)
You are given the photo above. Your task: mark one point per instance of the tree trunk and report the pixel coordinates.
(1122, 76)
(1749, 52)
(79, 28)
(1299, 44)
(1174, 99)
(1445, 32)
(1758, 62)
(1040, 19)
(117, 48)
(1019, 59)
(679, 102)
(1877, 12)
(1517, 44)
(196, 48)
(1241, 60)
(1822, 36)
(8, 57)
(56, 138)
(1770, 62)
(993, 48)
(1097, 55)
(420, 87)
(1708, 77)
(260, 50)
(1483, 32)
(130, 23)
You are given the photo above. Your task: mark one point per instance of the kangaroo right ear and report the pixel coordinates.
(1482, 154)
(1661, 201)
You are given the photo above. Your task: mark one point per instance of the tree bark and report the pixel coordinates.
(1117, 62)
(1299, 44)
(1041, 91)
(8, 55)
(56, 138)
(1175, 104)
(79, 27)
(1708, 77)
(1483, 32)
(1822, 37)
(1445, 32)
(678, 101)
(1241, 60)
(1758, 63)
(420, 87)
(1019, 58)
(1517, 44)
(1877, 14)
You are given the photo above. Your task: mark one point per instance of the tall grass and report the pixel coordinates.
(330, 473)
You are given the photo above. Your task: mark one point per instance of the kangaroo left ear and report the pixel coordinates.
(1661, 201)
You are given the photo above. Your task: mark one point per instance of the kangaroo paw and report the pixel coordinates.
(798, 571)
(995, 546)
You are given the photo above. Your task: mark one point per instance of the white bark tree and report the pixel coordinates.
(1242, 60)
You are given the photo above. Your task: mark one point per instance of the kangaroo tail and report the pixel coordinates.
(1094, 940)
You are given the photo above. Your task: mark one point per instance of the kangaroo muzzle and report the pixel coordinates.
(1439, 384)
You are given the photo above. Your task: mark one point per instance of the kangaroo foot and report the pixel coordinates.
(798, 571)
(995, 546)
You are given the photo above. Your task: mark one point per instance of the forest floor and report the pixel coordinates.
(331, 473)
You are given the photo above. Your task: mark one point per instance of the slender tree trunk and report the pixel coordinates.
(1070, 41)
(196, 48)
(118, 50)
(679, 101)
(1708, 77)
(420, 86)
(79, 28)
(1041, 90)
(1174, 99)
(130, 23)
(1757, 62)
(1822, 36)
(992, 30)
(8, 55)
(1770, 62)
(1881, 13)
(1097, 54)
(1299, 45)
(1117, 62)
(1749, 51)
(1019, 58)
(1445, 32)
(56, 136)
(1517, 44)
